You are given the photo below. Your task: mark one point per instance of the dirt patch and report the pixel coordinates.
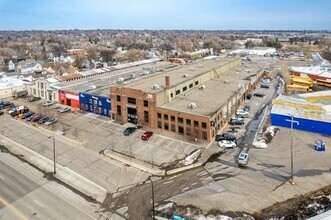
(301, 207)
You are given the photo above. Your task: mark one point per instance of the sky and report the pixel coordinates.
(165, 14)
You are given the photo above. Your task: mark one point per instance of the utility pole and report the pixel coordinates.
(54, 159)
(297, 122)
(152, 197)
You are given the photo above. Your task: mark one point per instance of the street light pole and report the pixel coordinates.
(152, 198)
(297, 122)
(54, 159)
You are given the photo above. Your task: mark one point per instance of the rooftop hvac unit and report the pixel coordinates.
(200, 65)
(248, 71)
(92, 87)
(155, 87)
(202, 87)
(237, 72)
(185, 75)
(192, 69)
(192, 105)
(226, 81)
(120, 79)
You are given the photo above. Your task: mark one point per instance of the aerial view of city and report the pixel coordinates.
(168, 110)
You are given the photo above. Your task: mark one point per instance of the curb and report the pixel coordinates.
(64, 174)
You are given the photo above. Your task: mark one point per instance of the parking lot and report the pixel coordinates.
(99, 133)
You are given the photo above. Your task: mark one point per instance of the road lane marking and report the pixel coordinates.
(39, 203)
(2, 177)
(13, 209)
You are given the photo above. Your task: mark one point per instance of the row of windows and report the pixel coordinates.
(180, 120)
(96, 110)
(184, 88)
(132, 100)
(95, 102)
(189, 131)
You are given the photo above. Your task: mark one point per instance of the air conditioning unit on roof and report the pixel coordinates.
(202, 87)
(192, 105)
(155, 87)
(185, 75)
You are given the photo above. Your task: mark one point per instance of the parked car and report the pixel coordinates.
(33, 98)
(265, 85)
(48, 103)
(43, 120)
(50, 121)
(4, 105)
(242, 113)
(146, 135)
(247, 108)
(226, 136)
(27, 114)
(257, 94)
(129, 131)
(238, 117)
(36, 118)
(227, 144)
(243, 159)
(249, 96)
(64, 109)
(236, 122)
(319, 145)
(30, 117)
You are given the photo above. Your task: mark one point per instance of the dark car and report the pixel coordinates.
(236, 122)
(43, 120)
(50, 121)
(26, 115)
(146, 135)
(247, 108)
(259, 94)
(4, 105)
(32, 98)
(249, 96)
(129, 131)
(226, 136)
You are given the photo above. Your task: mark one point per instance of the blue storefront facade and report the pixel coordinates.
(94, 103)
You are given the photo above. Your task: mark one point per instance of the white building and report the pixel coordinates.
(42, 88)
(8, 85)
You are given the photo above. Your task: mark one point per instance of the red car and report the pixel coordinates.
(146, 135)
(36, 118)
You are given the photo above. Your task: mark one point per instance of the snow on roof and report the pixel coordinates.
(314, 70)
(52, 80)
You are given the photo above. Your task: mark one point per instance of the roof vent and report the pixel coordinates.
(92, 87)
(248, 71)
(202, 87)
(200, 65)
(155, 87)
(185, 75)
(120, 79)
(192, 105)
(226, 81)
(237, 72)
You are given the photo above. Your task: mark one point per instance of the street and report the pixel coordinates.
(25, 193)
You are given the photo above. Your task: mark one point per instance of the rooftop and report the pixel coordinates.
(216, 94)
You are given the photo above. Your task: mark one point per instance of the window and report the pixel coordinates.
(172, 95)
(166, 126)
(196, 124)
(145, 103)
(90, 101)
(180, 130)
(119, 110)
(203, 125)
(159, 115)
(165, 117)
(204, 135)
(159, 124)
(105, 111)
(118, 98)
(173, 118)
(188, 122)
(173, 128)
(95, 102)
(131, 100)
(177, 92)
(100, 103)
(188, 131)
(185, 88)
(42, 85)
(196, 82)
(146, 116)
(34, 91)
(191, 85)
(180, 120)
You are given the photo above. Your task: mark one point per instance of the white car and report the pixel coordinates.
(48, 103)
(227, 144)
(242, 113)
(243, 159)
(64, 109)
(238, 118)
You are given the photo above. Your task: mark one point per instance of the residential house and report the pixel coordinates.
(31, 68)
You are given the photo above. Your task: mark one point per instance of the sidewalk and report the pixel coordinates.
(64, 174)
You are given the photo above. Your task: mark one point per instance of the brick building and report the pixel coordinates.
(195, 100)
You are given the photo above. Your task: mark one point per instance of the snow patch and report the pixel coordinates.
(191, 158)
(165, 206)
(263, 139)
(211, 217)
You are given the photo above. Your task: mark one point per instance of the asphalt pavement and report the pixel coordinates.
(25, 193)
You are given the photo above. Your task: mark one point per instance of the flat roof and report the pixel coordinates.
(217, 93)
(99, 84)
(192, 70)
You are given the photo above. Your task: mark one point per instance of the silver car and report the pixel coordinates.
(243, 159)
